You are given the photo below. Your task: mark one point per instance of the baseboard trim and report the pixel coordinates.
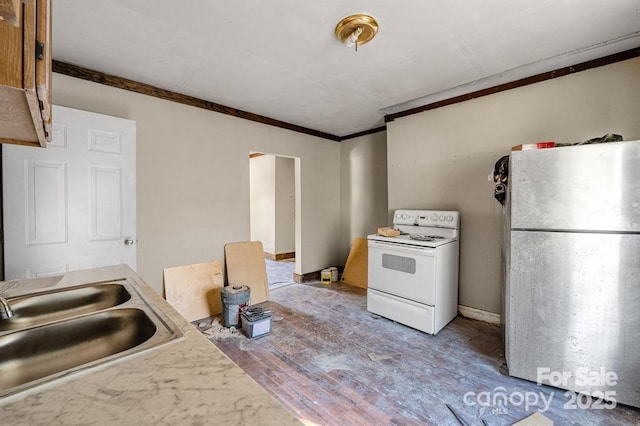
(309, 276)
(280, 256)
(480, 315)
(283, 256)
(315, 276)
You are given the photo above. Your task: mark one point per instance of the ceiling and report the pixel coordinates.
(281, 59)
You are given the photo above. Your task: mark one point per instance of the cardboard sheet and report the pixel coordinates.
(246, 266)
(536, 419)
(356, 271)
(194, 290)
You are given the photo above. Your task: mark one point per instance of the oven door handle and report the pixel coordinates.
(404, 248)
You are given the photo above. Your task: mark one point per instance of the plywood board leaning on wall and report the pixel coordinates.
(194, 290)
(246, 266)
(356, 269)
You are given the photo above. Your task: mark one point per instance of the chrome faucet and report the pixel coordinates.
(5, 310)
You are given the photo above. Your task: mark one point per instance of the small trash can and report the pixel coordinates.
(234, 301)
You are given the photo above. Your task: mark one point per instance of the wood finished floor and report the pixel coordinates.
(331, 362)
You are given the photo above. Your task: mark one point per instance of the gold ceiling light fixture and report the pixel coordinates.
(356, 30)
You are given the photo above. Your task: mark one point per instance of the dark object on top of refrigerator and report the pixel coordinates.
(501, 179)
(609, 137)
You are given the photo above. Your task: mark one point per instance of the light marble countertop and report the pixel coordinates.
(188, 381)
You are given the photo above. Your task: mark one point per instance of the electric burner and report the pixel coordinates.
(419, 237)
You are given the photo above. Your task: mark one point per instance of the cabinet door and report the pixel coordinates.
(10, 11)
(25, 83)
(15, 116)
(29, 68)
(11, 63)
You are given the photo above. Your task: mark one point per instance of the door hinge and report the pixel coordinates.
(39, 50)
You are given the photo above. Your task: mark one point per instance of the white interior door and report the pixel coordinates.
(72, 205)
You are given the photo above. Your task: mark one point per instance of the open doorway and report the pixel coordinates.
(273, 214)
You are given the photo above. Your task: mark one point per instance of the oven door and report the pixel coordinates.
(403, 270)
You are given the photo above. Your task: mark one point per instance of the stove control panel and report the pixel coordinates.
(405, 217)
(433, 218)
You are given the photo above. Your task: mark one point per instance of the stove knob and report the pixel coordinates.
(434, 217)
(404, 216)
(449, 218)
(441, 218)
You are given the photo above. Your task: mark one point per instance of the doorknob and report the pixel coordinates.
(128, 242)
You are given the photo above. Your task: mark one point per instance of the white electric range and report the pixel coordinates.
(413, 278)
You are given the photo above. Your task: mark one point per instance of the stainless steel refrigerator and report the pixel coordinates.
(572, 263)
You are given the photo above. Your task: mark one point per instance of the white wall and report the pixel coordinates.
(273, 203)
(363, 188)
(262, 178)
(440, 159)
(193, 178)
(285, 210)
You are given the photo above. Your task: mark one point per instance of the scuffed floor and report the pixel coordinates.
(280, 272)
(331, 362)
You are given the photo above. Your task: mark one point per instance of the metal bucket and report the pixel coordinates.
(334, 274)
(234, 301)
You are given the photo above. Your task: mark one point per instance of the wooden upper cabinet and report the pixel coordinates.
(10, 11)
(25, 75)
